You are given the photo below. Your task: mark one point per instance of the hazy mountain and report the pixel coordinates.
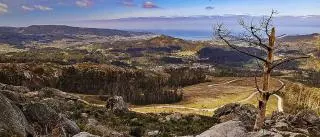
(49, 33)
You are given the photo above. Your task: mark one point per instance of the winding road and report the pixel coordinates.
(280, 101)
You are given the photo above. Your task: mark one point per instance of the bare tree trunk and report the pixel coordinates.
(264, 95)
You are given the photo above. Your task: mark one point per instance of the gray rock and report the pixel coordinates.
(40, 113)
(227, 129)
(234, 111)
(70, 127)
(85, 134)
(306, 118)
(52, 92)
(196, 118)
(12, 120)
(173, 117)
(13, 96)
(263, 133)
(94, 126)
(153, 133)
(117, 104)
(19, 89)
(49, 120)
(281, 126)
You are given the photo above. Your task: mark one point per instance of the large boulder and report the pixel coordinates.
(41, 114)
(94, 126)
(238, 112)
(264, 133)
(117, 104)
(12, 120)
(13, 96)
(226, 129)
(306, 118)
(55, 93)
(85, 134)
(304, 123)
(48, 120)
(19, 89)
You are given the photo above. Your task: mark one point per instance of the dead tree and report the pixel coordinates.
(262, 36)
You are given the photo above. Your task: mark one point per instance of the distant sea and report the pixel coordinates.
(208, 34)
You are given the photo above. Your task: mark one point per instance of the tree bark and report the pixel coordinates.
(264, 95)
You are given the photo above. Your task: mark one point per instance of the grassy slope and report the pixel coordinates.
(202, 96)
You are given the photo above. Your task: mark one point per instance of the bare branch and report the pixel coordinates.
(254, 32)
(268, 21)
(219, 33)
(280, 88)
(281, 61)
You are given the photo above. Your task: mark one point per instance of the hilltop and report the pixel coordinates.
(21, 36)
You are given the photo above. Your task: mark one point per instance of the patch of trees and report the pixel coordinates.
(308, 77)
(134, 85)
(226, 57)
(53, 55)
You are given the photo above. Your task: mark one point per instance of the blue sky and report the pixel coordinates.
(27, 12)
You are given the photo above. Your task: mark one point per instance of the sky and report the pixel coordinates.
(28, 12)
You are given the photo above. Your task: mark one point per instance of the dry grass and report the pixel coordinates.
(210, 96)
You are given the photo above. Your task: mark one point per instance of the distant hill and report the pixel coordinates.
(297, 38)
(67, 30)
(48, 33)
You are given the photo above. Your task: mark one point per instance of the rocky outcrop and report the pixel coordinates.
(18, 89)
(85, 134)
(56, 93)
(234, 111)
(117, 104)
(48, 120)
(305, 123)
(96, 127)
(13, 96)
(12, 120)
(226, 129)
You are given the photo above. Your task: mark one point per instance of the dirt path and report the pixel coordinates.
(280, 104)
(228, 82)
(280, 101)
(197, 109)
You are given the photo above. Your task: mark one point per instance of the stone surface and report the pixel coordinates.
(13, 96)
(19, 89)
(116, 103)
(49, 120)
(71, 128)
(52, 92)
(173, 117)
(263, 133)
(153, 133)
(234, 111)
(40, 113)
(12, 120)
(226, 129)
(85, 134)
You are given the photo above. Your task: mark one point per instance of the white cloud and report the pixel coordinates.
(43, 8)
(26, 8)
(83, 3)
(3, 8)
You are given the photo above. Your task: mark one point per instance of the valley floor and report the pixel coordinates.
(205, 98)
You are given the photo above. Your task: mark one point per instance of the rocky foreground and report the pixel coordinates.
(50, 112)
